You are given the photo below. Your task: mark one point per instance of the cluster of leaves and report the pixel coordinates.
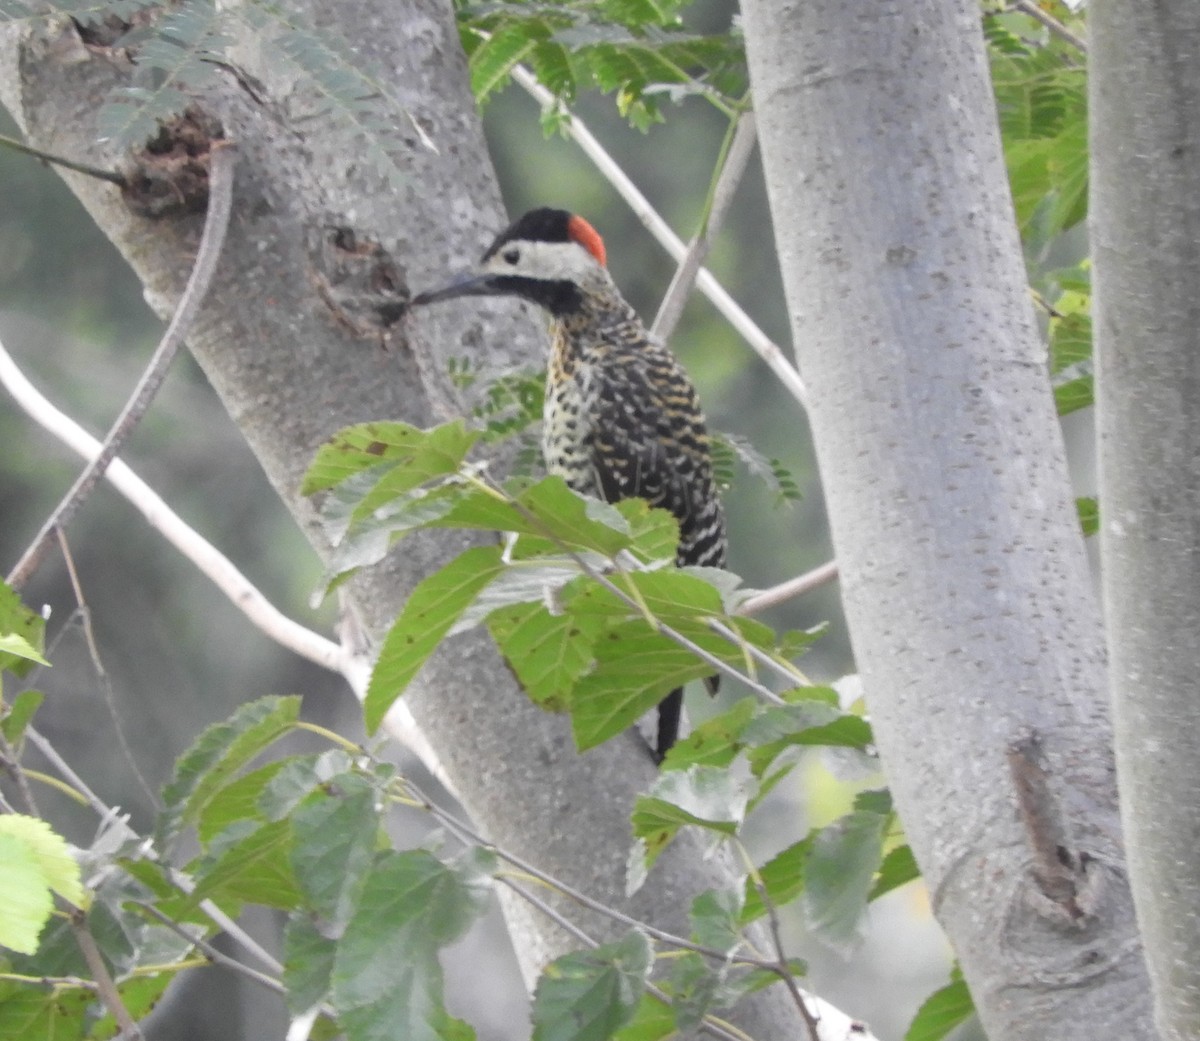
(179, 49)
(595, 620)
(1040, 83)
(365, 922)
(585, 603)
(637, 50)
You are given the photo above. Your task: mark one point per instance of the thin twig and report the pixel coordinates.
(107, 813)
(11, 765)
(50, 981)
(730, 176)
(58, 160)
(105, 986)
(789, 590)
(210, 952)
(762, 344)
(789, 673)
(782, 969)
(1050, 22)
(106, 687)
(220, 202)
(468, 836)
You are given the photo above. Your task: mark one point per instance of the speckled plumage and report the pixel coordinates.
(622, 418)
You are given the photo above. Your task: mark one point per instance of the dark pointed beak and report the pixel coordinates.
(469, 284)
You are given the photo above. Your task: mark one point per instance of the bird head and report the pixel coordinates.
(548, 257)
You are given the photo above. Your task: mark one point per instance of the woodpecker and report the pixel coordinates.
(622, 418)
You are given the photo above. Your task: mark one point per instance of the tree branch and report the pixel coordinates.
(737, 155)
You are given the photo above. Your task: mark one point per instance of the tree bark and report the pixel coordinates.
(963, 571)
(277, 340)
(1145, 228)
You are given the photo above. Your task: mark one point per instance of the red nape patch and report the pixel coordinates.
(588, 237)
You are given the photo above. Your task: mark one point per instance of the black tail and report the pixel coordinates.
(669, 710)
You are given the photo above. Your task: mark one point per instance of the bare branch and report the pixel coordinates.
(790, 589)
(105, 986)
(730, 176)
(1050, 22)
(220, 203)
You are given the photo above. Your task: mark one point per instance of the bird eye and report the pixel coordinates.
(511, 256)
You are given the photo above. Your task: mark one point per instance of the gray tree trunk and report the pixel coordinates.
(1145, 227)
(964, 576)
(292, 371)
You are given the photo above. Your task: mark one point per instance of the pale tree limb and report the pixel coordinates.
(789, 590)
(351, 659)
(1050, 22)
(220, 204)
(706, 282)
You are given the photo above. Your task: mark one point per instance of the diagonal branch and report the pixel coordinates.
(732, 168)
(220, 203)
(351, 659)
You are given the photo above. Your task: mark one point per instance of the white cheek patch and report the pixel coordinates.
(551, 261)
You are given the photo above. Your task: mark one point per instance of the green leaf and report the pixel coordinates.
(694, 984)
(716, 919)
(1074, 394)
(308, 958)
(942, 1011)
(782, 877)
(653, 1021)
(237, 801)
(36, 1012)
(15, 645)
(335, 835)
(27, 902)
(1070, 338)
(254, 867)
(432, 608)
(806, 724)
(56, 867)
(1088, 508)
(589, 995)
(412, 455)
(296, 780)
(386, 980)
(899, 867)
(19, 715)
(635, 669)
(492, 62)
(218, 754)
(715, 742)
(710, 798)
(548, 653)
(839, 872)
(22, 634)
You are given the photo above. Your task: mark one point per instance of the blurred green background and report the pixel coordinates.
(180, 657)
